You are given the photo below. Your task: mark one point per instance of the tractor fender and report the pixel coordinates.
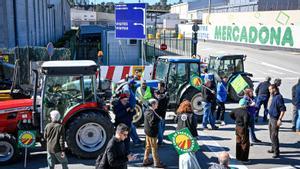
(73, 114)
(183, 90)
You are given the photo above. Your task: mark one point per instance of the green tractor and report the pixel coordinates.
(230, 66)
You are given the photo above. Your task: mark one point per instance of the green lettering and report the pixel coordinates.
(288, 37)
(244, 35)
(263, 35)
(224, 33)
(275, 36)
(229, 31)
(235, 33)
(252, 34)
(218, 32)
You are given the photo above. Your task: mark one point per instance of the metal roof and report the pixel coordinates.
(180, 59)
(229, 56)
(203, 4)
(69, 67)
(92, 29)
(69, 63)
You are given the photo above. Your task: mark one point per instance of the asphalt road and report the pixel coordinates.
(262, 63)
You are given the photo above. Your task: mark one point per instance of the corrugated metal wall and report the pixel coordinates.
(37, 22)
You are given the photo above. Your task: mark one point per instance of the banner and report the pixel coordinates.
(197, 82)
(183, 141)
(239, 84)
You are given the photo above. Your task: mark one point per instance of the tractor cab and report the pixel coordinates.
(230, 66)
(176, 72)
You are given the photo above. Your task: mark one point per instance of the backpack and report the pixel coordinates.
(101, 161)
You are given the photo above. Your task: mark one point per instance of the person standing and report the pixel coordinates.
(298, 107)
(263, 95)
(241, 117)
(162, 96)
(151, 122)
(185, 118)
(294, 103)
(115, 155)
(144, 92)
(276, 112)
(123, 115)
(55, 136)
(129, 89)
(208, 98)
(224, 160)
(251, 110)
(221, 99)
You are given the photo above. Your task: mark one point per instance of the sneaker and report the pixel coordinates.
(275, 156)
(270, 151)
(159, 165)
(147, 163)
(294, 129)
(223, 123)
(215, 128)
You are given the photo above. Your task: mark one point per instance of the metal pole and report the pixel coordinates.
(25, 159)
(209, 7)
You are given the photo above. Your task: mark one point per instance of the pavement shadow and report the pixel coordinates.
(211, 148)
(212, 138)
(283, 160)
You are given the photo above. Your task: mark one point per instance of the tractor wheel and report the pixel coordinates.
(235, 97)
(9, 151)
(195, 97)
(138, 118)
(88, 134)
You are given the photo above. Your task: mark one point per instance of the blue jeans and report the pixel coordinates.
(161, 130)
(133, 134)
(252, 128)
(298, 121)
(208, 116)
(262, 100)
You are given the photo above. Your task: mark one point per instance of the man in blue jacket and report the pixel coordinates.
(221, 99)
(263, 95)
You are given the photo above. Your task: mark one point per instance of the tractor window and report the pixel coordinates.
(62, 93)
(181, 73)
(89, 88)
(194, 69)
(239, 65)
(161, 70)
(227, 67)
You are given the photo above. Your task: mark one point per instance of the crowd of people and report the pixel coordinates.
(155, 101)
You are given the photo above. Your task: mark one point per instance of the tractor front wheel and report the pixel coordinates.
(8, 149)
(138, 118)
(88, 134)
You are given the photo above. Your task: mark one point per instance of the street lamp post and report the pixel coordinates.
(144, 29)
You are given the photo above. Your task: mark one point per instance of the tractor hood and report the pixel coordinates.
(15, 105)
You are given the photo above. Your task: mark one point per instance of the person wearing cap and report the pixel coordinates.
(151, 121)
(276, 112)
(55, 137)
(208, 95)
(263, 95)
(124, 115)
(241, 117)
(129, 89)
(295, 101)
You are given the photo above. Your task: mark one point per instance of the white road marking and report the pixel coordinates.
(284, 78)
(215, 148)
(288, 167)
(280, 68)
(274, 71)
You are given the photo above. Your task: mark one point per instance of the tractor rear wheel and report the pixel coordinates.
(9, 151)
(195, 97)
(88, 134)
(138, 118)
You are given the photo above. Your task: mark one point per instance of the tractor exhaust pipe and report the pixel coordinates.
(35, 113)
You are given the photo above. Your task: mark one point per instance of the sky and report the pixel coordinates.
(134, 1)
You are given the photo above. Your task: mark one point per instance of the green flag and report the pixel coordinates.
(197, 82)
(239, 84)
(183, 141)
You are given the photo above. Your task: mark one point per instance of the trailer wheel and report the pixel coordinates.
(88, 134)
(138, 118)
(8, 149)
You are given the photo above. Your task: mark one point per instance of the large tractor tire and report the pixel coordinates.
(235, 97)
(9, 151)
(195, 97)
(88, 134)
(138, 118)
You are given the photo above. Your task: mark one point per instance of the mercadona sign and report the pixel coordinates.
(279, 36)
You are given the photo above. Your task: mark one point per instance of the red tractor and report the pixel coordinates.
(70, 88)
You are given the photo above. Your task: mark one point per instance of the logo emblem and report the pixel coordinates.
(26, 139)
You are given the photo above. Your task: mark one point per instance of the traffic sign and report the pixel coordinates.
(26, 139)
(50, 49)
(130, 21)
(195, 27)
(163, 46)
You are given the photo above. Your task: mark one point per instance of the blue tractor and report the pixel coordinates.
(176, 72)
